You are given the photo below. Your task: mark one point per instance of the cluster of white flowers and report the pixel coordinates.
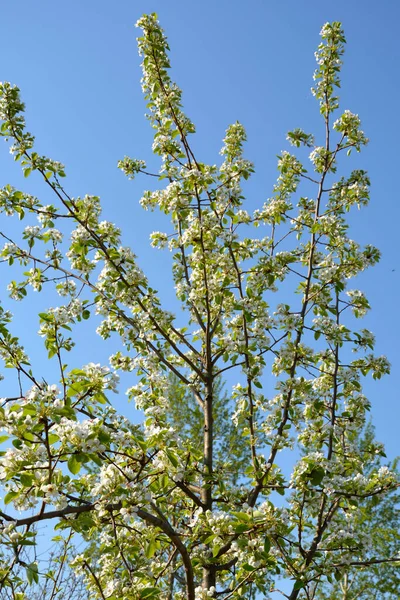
(46, 214)
(349, 125)
(66, 288)
(159, 239)
(321, 158)
(82, 435)
(131, 166)
(61, 315)
(201, 594)
(332, 331)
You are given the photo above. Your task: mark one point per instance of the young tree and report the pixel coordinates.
(161, 515)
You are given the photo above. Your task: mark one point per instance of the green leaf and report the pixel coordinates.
(10, 496)
(4, 438)
(46, 317)
(150, 549)
(317, 475)
(29, 409)
(241, 528)
(267, 545)
(298, 585)
(74, 465)
(75, 389)
(338, 575)
(172, 458)
(32, 573)
(101, 398)
(150, 592)
(103, 437)
(209, 538)
(242, 516)
(26, 479)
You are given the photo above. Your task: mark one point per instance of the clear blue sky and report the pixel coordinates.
(77, 66)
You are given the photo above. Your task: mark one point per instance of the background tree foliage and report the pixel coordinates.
(379, 522)
(231, 450)
(194, 502)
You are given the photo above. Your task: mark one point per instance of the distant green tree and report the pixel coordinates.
(232, 455)
(378, 522)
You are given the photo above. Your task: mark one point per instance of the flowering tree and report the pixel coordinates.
(161, 514)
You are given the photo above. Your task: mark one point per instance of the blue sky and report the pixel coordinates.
(78, 69)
